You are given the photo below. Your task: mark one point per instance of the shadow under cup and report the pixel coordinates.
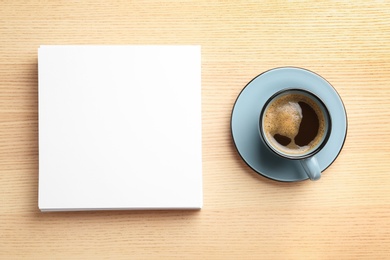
(295, 124)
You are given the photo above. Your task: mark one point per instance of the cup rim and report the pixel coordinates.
(295, 157)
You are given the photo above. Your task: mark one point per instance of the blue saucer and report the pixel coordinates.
(245, 120)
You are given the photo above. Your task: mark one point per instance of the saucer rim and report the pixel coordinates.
(294, 68)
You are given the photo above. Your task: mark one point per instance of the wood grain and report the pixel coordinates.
(345, 215)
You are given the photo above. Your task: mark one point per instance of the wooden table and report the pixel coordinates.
(345, 215)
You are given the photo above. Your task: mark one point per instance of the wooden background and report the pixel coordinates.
(345, 215)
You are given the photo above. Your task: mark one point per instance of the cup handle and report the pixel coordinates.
(312, 168)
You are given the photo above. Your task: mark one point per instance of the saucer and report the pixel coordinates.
(245, 120)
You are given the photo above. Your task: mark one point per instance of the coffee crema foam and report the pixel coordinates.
(283, 120)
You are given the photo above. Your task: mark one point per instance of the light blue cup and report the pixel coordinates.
(307, 158)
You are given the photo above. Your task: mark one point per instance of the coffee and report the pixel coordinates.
(294, 123)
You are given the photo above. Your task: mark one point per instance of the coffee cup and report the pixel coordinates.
(295, 124)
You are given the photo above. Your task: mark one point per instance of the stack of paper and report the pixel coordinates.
(119, 127)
